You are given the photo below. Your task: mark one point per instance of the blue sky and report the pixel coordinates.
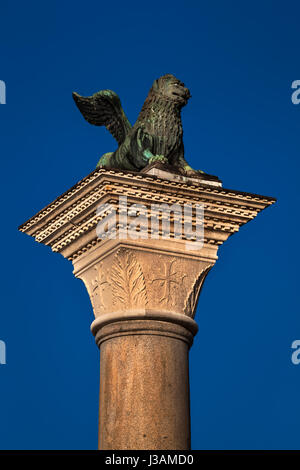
(239, 60)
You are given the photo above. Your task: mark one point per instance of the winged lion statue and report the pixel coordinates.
(155, 137)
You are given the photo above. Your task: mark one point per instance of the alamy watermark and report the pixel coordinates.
(2, 352)
(296, 353)
(164, 221)
(2, 92)
(296, 94)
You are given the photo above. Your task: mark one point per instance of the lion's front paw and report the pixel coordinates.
(157, 158)
(187, 170)
(192, 172)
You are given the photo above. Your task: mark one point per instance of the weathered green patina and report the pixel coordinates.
(155, 137)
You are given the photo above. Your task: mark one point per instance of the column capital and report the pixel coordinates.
(140, 278)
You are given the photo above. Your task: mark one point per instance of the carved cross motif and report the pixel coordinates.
(168, 279)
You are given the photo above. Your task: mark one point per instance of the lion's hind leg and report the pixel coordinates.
(106, 161)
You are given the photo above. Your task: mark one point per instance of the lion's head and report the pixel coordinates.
(172, 89)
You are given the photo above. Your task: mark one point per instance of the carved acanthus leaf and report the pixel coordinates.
(127, 280)
(192, 298)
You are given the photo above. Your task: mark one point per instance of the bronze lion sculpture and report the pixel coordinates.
(155, 137)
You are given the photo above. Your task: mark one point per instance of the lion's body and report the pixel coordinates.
(161, 118)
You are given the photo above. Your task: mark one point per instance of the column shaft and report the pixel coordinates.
(144, 385)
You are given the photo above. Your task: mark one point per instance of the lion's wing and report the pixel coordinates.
(104, 109)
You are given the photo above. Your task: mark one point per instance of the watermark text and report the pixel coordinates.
(296, 94)
(2, 352)
(2, 92)
(296, 353)
(159, 221)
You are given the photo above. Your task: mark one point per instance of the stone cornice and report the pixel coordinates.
(72, 216)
